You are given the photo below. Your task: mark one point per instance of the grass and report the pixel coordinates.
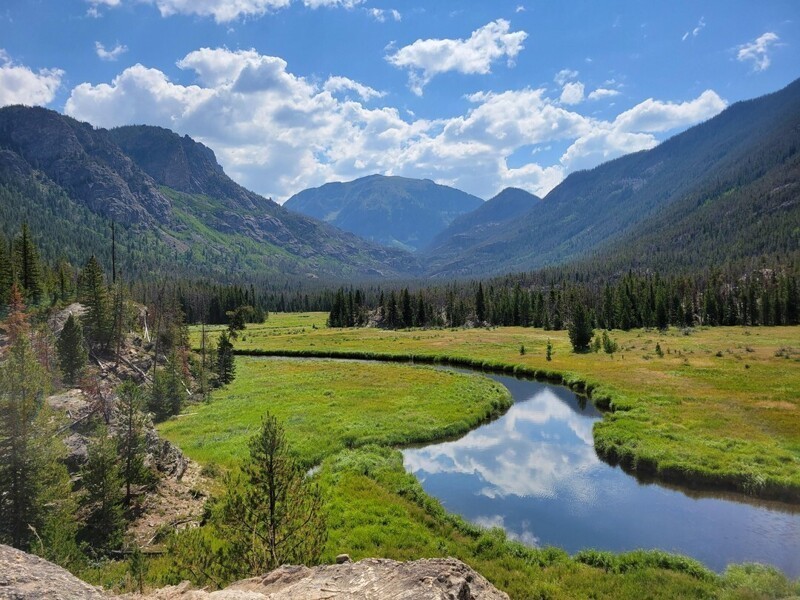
(721, 408)
(327, 406)
(346, 414)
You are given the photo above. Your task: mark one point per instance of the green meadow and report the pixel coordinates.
(715, 407)
(350, 414)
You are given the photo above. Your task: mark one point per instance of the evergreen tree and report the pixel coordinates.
(130, 437)
(98, 323)
(271, 515)
(102, 482)
(27, 267)
(71, 350)
(580, 329)
(6, 272)
(407, 312)
(36, 507)
(480, 304)
(226, 368)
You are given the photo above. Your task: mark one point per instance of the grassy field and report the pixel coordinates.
(721, 407)
(327, 406)
(375, 508)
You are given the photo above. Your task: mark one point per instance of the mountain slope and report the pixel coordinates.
(393, 211)
(169, 194)
(591, 208)
(490, 217)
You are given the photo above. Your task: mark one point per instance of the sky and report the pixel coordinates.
(479, 95)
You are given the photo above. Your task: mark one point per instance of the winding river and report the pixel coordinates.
(534, 472)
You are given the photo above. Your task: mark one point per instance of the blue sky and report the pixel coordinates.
(480, 95)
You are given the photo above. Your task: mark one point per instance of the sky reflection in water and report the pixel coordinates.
(535, 473)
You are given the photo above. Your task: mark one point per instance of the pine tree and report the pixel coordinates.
(6, 272)
(98, 324)
(407, 312)
(36, 509)
(580, 329)
(480, 305)
(71, 350)
(226, 368)
(27, 267)
(130, 437)
(272, 515)
(102, 482)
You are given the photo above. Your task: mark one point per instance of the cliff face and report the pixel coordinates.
(23, 577)
(83, 161)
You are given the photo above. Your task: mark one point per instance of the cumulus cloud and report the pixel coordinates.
(381, 14)
(565, 75)
(277, 133)
(601, 93)
(757, 51)
(656, 116)
(21, 85)
(424, 59)
(109, 55)
(342, 84)
(572, 93)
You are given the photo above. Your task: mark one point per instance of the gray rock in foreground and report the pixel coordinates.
(439, 578)
(24, 576)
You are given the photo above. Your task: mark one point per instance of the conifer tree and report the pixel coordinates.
(272, 515)
(130, 437)
(480, 304)
(6, 272)
(580, 328)
(71, 349)
(36, 509)
(98, 324)
(102, 482)
(407, 312)
(26, 266)
(226, 368)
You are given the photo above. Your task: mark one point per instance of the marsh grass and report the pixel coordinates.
(688, 416)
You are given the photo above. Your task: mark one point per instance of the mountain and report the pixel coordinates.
(469, 229)
(726, 187)
(393, 211)
(178, 212)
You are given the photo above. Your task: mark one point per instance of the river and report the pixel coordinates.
(534, 472)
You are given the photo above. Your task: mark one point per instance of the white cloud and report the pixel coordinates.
(424, 59)
(601, 93)
(224, 11)
(696, 31)
(565, 75)
(109, 55)
(277, 133)
(382, 14)
(520, 8)
(340, 84)
(21, 85)
(572, 93)
(757, 51)
(657, 116)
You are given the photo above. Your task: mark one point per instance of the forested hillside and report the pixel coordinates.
(174, 207)
(725, 187)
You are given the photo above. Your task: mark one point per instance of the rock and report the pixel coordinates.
(343, 558)
(24, 576)
(56, 322)
(370, 579)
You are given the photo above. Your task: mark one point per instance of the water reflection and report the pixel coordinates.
(535, 473)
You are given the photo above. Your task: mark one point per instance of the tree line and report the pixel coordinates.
(762, 297)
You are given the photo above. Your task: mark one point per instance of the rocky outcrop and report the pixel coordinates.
(369, 579)
(24, 576)
(84, 161)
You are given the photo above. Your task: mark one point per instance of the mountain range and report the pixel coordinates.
(724, 191)
(393, 211)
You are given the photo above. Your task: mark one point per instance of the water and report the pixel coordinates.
(534, 472)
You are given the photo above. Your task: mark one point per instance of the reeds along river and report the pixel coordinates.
(534, 472)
